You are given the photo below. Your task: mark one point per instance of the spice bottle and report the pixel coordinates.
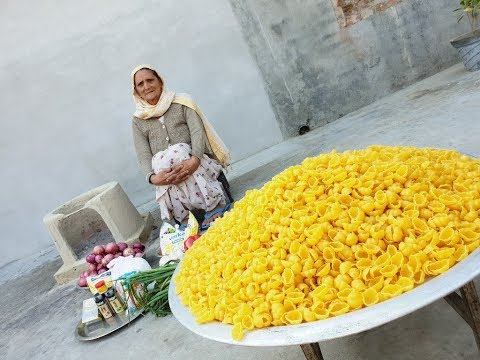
(103, 306)
(115, 301)
(101, 287)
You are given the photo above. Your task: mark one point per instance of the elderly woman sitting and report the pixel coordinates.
(178, 149)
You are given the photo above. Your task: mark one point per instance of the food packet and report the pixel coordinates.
(192, 227)
(129, 299)
(89, 311)
(172, 239)
(105, 276)
(124, 267)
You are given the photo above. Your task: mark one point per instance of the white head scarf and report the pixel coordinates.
(144, 110)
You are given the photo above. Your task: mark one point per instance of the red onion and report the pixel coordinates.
(82, 282)
(84, 274)
(99, 266)
(139, 254)
(107, 258)
(139, 245)
(99, 250)
(128, 251)
(117, 255)
(111, 248)
(122, 246)
(90, 259)
(93, 273)
(92, 267)
(102, 270)
(98, 258)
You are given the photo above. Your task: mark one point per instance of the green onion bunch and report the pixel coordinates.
(153, 298)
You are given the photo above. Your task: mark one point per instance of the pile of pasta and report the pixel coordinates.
(336, 233)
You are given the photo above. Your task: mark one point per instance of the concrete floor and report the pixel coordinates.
(38, 318)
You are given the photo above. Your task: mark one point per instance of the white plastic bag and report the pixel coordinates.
(125, 265)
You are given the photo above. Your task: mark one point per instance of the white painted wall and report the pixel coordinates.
(66, 99)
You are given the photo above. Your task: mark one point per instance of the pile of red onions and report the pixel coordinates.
(103, 254)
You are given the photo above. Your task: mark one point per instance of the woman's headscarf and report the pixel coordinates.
(144, 111)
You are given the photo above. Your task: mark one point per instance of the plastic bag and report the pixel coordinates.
(124, 265)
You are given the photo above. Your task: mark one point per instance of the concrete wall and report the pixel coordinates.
(317, 71)
(66, 100)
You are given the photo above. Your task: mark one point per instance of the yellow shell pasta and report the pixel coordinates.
(333, 234)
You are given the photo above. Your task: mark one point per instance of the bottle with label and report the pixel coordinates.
(103, 306)
(115, 301)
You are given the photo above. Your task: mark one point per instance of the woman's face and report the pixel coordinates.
(148, 86)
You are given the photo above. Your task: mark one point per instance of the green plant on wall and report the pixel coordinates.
(470, 9)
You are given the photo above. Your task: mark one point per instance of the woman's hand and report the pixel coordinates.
(172, 176)
(191, 165)
(176, 174)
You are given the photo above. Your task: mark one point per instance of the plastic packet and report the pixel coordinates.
(171, 243)
(105, 276)
(172, 239)
(192, 227)
(124, 267)
(89, 311)
(129, 299)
